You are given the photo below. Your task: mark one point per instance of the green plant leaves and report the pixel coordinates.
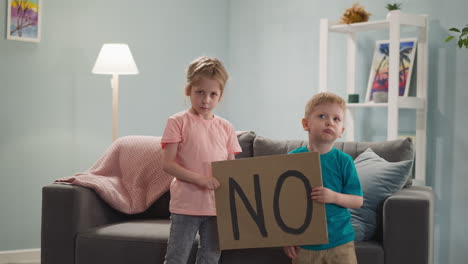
(394, 6)
(463, 42)
(462, 38)
(449, 38)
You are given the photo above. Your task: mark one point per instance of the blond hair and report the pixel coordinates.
(323, 98)
(208, 67)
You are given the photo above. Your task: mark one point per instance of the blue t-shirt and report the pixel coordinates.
(339, 175)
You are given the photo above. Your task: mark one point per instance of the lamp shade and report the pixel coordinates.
(115, 59)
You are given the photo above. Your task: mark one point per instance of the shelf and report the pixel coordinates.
(393, 24)
(403, 102)
(405, 20)
(358, 27)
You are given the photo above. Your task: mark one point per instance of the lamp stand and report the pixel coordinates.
(115, 104)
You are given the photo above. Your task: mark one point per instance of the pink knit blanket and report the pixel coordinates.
(129, 176)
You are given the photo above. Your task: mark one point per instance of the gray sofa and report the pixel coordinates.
(78, 227)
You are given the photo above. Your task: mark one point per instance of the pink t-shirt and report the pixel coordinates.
(200, 142)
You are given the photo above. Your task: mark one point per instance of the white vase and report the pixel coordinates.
(393, 12)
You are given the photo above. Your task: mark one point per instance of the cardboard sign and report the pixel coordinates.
(265, 201)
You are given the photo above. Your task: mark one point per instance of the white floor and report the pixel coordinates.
(23, 262)
(26, 256)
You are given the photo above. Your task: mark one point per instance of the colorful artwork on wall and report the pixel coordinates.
(24, 20)
(378, 79)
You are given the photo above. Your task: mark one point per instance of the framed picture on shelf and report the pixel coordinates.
(378, 77)
(24, 20)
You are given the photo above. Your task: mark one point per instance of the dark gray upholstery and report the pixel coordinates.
(265, 146)
(78, 227)
(254, 255)
(392, 151)
(407, 217)
(66, 211)
(246, 142)
(112, 243)
(370, 252)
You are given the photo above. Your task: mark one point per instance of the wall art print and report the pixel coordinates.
(24, 20)
(378, 78)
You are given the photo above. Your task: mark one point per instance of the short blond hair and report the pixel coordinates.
(323, 98)
(209, 67)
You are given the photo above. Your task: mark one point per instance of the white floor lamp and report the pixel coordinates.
(115, 59)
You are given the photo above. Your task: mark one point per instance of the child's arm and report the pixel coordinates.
(325, 195)
(172, 167)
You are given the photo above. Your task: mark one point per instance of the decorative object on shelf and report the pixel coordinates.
(115, 59)
(462, 38)
(24, 20)
(380, 97)
(355, 14)
(353, 98)
(394, 6)
(378, 78)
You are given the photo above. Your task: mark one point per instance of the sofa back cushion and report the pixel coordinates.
(246, 140)
(263, 146)
(379, 179)
(391, 151)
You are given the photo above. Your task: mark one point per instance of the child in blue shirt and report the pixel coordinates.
(323, 120)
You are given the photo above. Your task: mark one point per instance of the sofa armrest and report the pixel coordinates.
(67, 210)
(408, 226)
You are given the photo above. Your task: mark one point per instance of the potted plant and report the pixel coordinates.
(355, 14)
(462, 36)
(393, 7)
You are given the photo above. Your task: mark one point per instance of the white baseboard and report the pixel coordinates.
(26, 256)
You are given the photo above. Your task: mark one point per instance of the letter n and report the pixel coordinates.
(257, 216)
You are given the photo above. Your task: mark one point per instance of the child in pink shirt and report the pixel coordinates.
(192, 140)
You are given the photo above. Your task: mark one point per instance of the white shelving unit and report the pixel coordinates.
(393, 23)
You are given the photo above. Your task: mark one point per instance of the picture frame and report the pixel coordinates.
(378, 77)
(24, 20)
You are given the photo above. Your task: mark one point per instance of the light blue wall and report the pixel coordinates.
(273, 47)
(55, 116)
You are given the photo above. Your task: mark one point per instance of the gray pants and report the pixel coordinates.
(183, 231)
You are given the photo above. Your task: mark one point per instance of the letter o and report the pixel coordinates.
(276, 210)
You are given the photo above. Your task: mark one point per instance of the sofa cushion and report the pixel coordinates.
(246, 140)
(369, 252)
(392, 151)
(272, 255)
(263, 146)
(140, 241)
(379, 179)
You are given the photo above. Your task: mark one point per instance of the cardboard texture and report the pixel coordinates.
(265, 201)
